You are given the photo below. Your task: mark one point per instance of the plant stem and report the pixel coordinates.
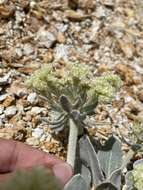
(72, 142)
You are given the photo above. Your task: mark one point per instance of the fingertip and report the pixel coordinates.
(63, 172)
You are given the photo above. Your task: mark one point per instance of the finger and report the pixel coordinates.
(15, 155)
(4, 177)
(62, 171)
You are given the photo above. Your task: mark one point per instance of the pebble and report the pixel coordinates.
(37, 110)
(32, 98)
(128, 99)
(10, 111)
(45, 38)
(100, 12)
(140, 95)
(49, 137)
(43, 137)
(5, 79)
(28, 49)
(109, 3)
(32, 141)
(61, 38)
(1, 109)
(18, 52)
(3, 97)
(61, 52)
(1, 123)
(8, 101)
(37, 133)
(2, 1)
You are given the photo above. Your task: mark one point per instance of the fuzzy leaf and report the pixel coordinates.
(82, 169)
(137, 163)
(115, 178)
(128, 181)
(110, 156)
(85, 172)
(77, 182)
(90, 106)
(89, 157)
(65, 103)
(106, 186)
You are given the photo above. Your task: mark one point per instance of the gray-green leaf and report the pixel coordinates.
(115, 178)
(77, 182)
(106, 186)
(89, 157)
(110, 156)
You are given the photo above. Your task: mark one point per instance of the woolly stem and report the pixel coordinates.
(72, 142)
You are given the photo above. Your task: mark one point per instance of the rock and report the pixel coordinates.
(8, 101)
(125, 72)
(87, 4)
(76, 16)
(10, 132)
(32, 98)
(43, 138)
(37, 133)
(109, 3)
(37, 110)
(128, 99)
(48, 56)
(6, 11)
(5, 79)
(61, 52)
(6, 133)
(61, 38)
(127, 47)
(1, 109)
(103, 68)
(18, 52)
(28, 49)
(101, 12)
(45, 38)
(17, 88)
(1, 123)
(24, 4)
(2, 1)
(32, 141)
(10, 111)
(140, 95)
(3, 97)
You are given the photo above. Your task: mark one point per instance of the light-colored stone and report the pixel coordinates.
(10, 111)
(8, 101)
(37, 110)
(61, 52)
(140, 95)
(5, 79)
(37, 133)
(1, 109)
(45, 38)
(32, 141)
(32, 98)
(28, 49)
(3, 97)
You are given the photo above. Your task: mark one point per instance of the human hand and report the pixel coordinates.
(15, 155)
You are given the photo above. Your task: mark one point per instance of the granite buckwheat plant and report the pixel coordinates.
(72, 93)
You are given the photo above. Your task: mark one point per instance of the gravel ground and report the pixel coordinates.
(104, 34)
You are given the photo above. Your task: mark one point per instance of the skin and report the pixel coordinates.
(17, 156)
